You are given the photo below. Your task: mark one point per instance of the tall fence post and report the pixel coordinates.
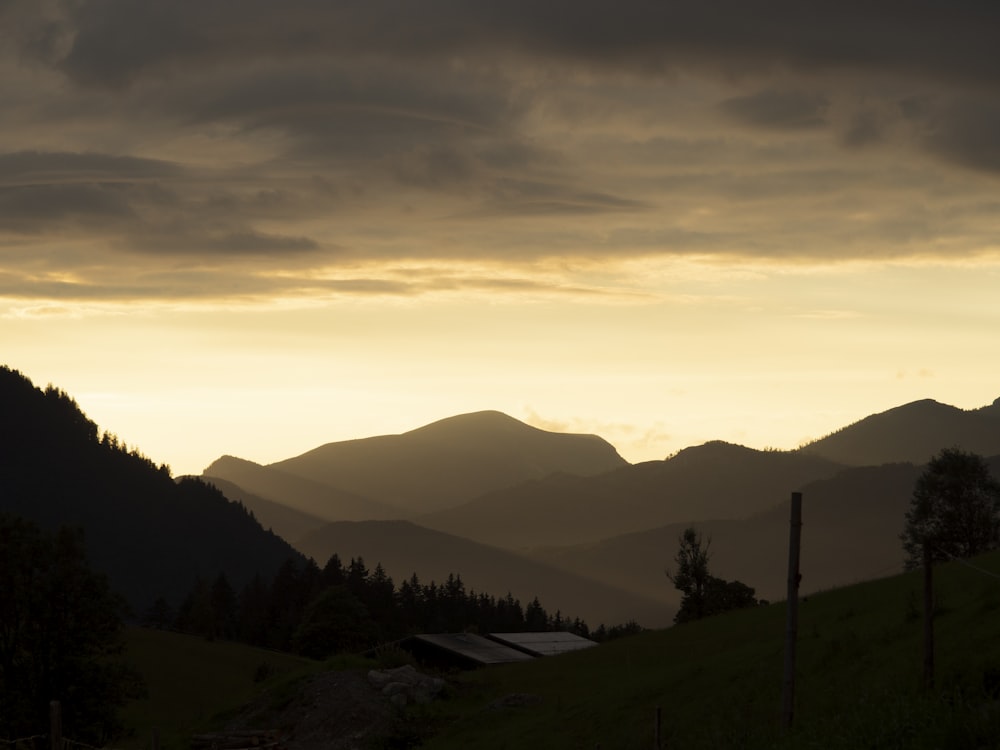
(656, 730)
(792, 625)
(928, 618)
(55, 725)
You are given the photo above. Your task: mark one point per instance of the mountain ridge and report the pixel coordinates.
(445, 462)
(404, 548)
(150, 535)
(912, 432)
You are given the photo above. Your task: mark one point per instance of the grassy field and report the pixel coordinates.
(718, 682)
(192, 682)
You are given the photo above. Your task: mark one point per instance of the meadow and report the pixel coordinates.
(717, 682)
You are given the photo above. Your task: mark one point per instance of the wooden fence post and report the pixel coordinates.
(55, 725)
(792, 626)
(656, 730)
(928, 618)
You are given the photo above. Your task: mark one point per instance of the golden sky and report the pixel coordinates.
(248, 227)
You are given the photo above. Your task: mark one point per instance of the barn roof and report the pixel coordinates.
(471, 647)
(543, 644)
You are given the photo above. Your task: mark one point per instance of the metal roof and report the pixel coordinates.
(543, 644)
(474, 647)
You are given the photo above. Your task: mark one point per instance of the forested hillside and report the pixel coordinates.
(152, 536)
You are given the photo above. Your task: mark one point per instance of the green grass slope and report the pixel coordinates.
(718, 682)
(192, 682)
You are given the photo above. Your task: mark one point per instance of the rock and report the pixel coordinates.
(404, 685)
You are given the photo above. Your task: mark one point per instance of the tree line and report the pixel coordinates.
(341, 607)
(954, 513)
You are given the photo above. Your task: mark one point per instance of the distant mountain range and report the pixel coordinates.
(508, 506)
(404, 548)
(571, 502)
(850, 533)
(715, 480)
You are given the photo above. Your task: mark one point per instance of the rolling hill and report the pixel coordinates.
(404, 548)
(717, 683)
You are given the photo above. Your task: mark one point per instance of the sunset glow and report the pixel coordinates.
(251, 229)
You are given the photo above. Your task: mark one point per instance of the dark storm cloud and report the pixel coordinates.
(349, 78)
(36, 208)
(968, 132)
(118, 40)
(792, 110)
(60, 167)
(142, 204)
(181, 143)
(329, 96)
(864, 130)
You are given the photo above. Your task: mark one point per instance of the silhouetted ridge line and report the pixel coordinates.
(150, 535)
(441, 464)
(912, 433)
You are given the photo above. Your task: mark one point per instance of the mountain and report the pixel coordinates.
(288, 523)
(404, 548)
(850, 533)
(448, 462)
(301, 494)
(715, 480)
(150, 535)
(912, 433)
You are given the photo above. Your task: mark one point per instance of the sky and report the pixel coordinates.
(247, 227)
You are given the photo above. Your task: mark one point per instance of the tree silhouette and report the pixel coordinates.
(704, 594)
(691, 576)
(954, 511)
(61, 632)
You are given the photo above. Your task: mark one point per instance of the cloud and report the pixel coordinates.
(241, 244)
(967, 131)
(182, 140)
(783, 110)
(32, 167)
(36, 208)
(116, 41)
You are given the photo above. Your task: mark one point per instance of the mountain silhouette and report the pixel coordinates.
(912, 433)
(436, 466)
(150, 535)
(286, 522)
(715, 480)
(850, 533)
(299, 493)
(405, 548)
